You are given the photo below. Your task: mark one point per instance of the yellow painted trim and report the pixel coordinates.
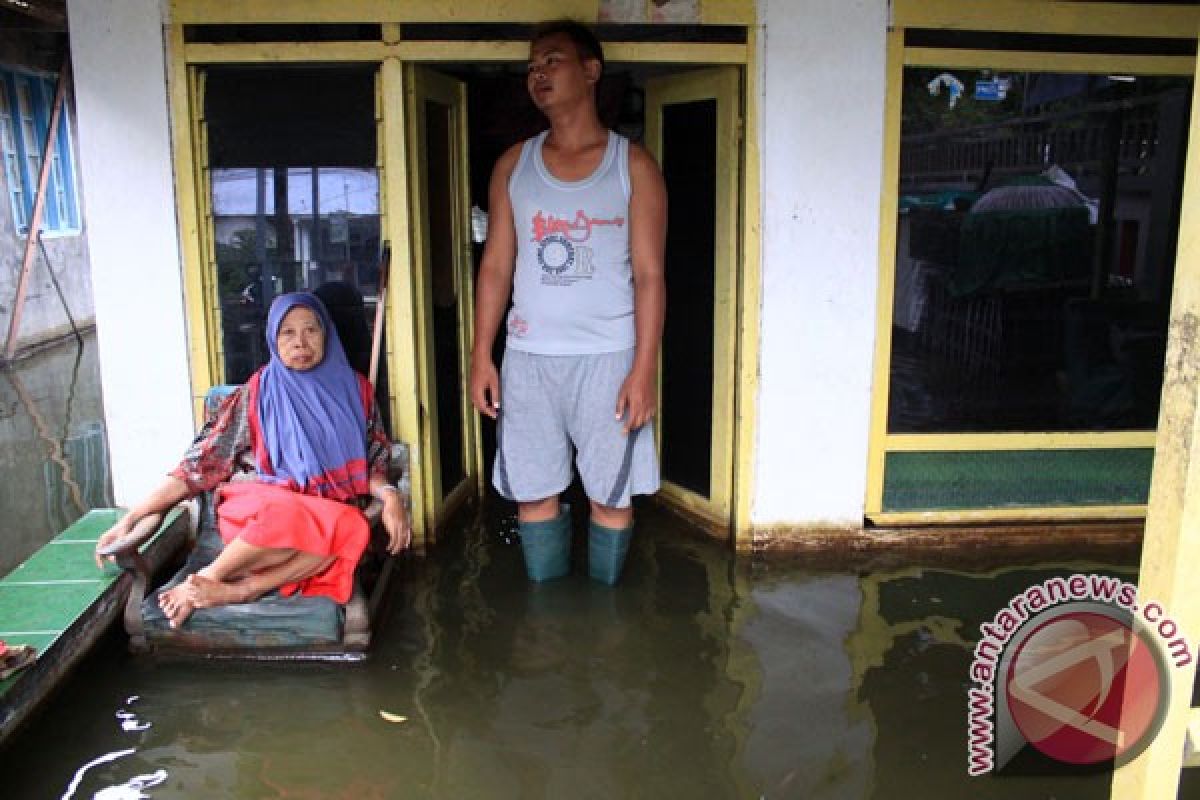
(745, 442)
(728, 12)
(286, 52)
(401, 328)
(888, 200)
(712, 12)
(975, 516)
(1049, 16)
(427, 85)
(181, 87)
(481, 52)
(1171, 546)
(676, 53)
(465, 279)
(965, 442)
(206, 12)
(1027, 61)
(431, 477)
(451, 51)
(695, 505)
(720, 84)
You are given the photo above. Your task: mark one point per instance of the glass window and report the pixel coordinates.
(26, 102)
(295, 201)
(12, 160)
(1038, 216)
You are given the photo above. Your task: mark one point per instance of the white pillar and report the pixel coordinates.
(128, 197)
(824, 81)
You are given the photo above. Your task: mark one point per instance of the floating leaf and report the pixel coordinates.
(390, 717)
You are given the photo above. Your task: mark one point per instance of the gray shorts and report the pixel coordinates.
(547, 404)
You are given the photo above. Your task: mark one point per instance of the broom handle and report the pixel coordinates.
(385, 262)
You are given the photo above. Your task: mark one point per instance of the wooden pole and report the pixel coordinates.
(39, 203)
(1171, 546)
(385, 262)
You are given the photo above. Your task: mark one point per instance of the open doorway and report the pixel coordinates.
(687, 117)
(295, 194)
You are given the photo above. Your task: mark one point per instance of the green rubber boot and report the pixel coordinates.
(546, 546)
(606, 552)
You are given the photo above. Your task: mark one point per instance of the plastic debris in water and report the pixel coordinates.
(390, 717)
(130, 722)
(132, 788)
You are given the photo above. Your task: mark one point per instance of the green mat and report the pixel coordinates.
(948, 480)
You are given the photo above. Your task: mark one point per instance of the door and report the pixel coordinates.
(692, 121)
(449, 430)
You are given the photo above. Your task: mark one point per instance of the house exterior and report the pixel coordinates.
(32, 55)
(929, 262)
(924, 251)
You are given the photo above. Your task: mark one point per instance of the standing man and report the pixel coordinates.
(577, 233)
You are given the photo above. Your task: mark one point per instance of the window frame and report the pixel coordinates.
(61, 214)
(1011, 16)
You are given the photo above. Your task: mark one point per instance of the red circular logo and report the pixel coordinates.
(1085, 687)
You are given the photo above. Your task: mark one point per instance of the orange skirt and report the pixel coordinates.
(272, 516)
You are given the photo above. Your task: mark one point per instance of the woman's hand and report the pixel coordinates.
(166, 495)
(395, 522)
(118, 531)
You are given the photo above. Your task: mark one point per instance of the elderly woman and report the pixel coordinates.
(309, 424)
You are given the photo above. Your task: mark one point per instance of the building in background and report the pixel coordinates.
(33, 50)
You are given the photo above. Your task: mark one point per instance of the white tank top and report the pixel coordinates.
(573, 283)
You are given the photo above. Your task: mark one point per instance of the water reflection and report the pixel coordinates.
(697, 677)
(53, 452)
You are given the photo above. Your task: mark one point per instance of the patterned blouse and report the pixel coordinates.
(224, 446)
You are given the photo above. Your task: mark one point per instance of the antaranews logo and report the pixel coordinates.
(1075, 667)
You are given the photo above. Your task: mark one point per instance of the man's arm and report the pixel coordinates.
(494, 285)
(637, 400)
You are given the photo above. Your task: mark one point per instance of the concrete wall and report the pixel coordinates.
(129, 203)
(821, 139)
(52, 448)
(823, 75)
(42, 316)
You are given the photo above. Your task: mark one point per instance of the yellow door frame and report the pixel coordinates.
(1171, 546)
(1052, 17)
(720, 84)
(425, 84)
(392, 53)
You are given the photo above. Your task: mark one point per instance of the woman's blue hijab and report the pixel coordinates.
(313, 422)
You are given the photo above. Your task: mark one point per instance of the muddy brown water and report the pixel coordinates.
(700, 675)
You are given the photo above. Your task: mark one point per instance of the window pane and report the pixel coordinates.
(12, 164)
(282, 219)
(1038, 216)
(59, 193)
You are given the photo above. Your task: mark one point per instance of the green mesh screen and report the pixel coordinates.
(1016, 478)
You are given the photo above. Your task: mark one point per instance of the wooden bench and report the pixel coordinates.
(59, 602)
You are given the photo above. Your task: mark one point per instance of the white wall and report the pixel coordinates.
(822, 144)
(129, 207)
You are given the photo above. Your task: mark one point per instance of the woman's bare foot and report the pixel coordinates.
(177, 604)
(205, 592)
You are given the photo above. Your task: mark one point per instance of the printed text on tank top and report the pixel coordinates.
(572, 283)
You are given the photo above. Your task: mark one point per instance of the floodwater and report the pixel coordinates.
(53, 452)
(699, 676)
